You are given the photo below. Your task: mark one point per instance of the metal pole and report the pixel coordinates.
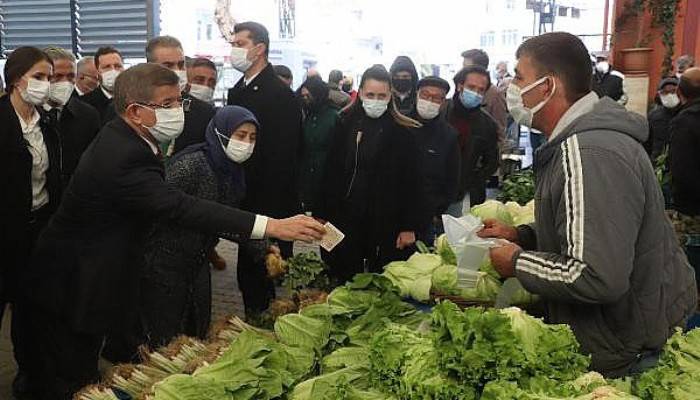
(605, 24)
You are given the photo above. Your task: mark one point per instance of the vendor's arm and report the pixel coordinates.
(597, 221)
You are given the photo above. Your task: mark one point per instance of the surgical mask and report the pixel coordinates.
(169, 123)
(516, 107)
(108, 78)
(678, 75)
(60, 92)
(402, 85)
(239, 59)
(670, 100)
(602, 67)
(375, 108)
(202, 92)
(236, 150)
(182, 77)
(36, 92)
(427, 109)
(470, 98)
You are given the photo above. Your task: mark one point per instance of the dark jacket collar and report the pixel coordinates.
(691, 107)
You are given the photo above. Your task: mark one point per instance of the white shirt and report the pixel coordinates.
(247, 81)
(80, 92)
(107, 94)
(40, 159)
(583, 106)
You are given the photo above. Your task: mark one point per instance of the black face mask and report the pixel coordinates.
(347, 88)
(402, 85)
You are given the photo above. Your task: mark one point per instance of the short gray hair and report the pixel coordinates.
(685, 61)
(137, 84)
(85, 61)
(57, 53)
(161, 41)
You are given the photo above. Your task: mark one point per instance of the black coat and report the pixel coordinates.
(16, 188)
(102, 104)
(608, 84)
(659, 130)
(439, 162)
(77, 126)
(386, 195)
(86, 263)
(478, 141)
(197, 117)
(271, 173)
(685, 163)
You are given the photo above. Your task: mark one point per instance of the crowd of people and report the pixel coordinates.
(118, 184)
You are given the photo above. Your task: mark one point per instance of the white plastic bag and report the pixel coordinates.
(470, 249)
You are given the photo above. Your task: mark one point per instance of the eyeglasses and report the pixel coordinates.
(432, 99)
(184, 103)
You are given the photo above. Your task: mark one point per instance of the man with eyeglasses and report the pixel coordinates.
(439, 153)
(86, 267)
(86, 79)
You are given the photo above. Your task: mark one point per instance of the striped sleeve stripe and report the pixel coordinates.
(550, 270)
(574, 214)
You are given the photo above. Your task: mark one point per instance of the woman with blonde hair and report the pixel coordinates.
(371, 189)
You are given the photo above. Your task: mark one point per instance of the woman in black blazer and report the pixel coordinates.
(29, 180)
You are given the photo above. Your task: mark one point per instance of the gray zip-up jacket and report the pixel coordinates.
(607, 261)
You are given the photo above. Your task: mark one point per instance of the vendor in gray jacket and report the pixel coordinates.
(602, 254)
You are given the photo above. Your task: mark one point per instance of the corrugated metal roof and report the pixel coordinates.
(124, 24)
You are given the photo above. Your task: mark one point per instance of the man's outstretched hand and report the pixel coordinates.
(299, 227)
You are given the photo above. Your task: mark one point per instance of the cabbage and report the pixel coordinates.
(413, 277)
(442, 246)
(493, 209)
(302, 331)
(445, 280)
(188, 387)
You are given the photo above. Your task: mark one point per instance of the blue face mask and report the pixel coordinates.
(470, 99)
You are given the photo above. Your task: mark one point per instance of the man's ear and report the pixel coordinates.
(135, 114)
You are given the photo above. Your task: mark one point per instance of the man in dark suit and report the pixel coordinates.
(85, 272)
(109, 64)
(167, 51)
(76, 122)
(271, 172)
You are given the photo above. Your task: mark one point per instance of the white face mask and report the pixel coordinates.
(670, 100)
(602, 67)
(108, 78)
(375, 108)
(169, 123)
(201, 92)
(37, 92)
(60, 92)
(427, 109)
(237, 150)
(516, 107)
(239, 59)
(182, 76)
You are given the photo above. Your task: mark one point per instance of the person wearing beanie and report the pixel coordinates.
(665, 108)
(404, 82)
(320, 118)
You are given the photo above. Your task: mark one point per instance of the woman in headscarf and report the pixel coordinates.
(176, 278)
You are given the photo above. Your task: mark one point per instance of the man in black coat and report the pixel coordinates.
(404, 83)
(439, 153)
(685, 147)
(478, 132)
(109, 64)
(607, 81)
(76, 122)
(85, 272)
(271, 172)
(167, 51)
(665, 108)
